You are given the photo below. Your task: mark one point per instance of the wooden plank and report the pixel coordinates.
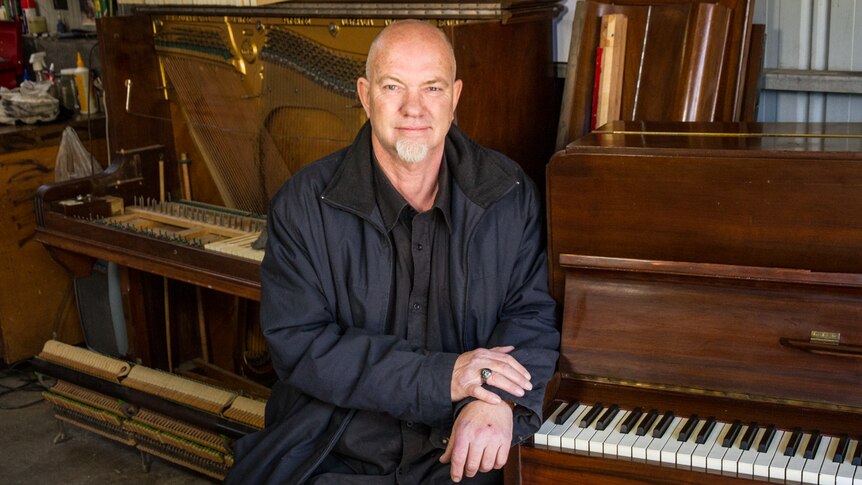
(613, 46)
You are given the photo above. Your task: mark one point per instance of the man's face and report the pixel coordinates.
(411, 97)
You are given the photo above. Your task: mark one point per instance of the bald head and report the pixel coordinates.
(409, 31)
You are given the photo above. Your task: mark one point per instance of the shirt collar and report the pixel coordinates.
(392, 203)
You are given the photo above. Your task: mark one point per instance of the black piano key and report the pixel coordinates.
(663, 425)
(731, 434)
(592, 415)
(708, 426)
(748, 437)
(630, 421)
(857, 455)
(793, 444)
(567, 413)
(688, 428)
(606, 418)
(647, 422)
(766, 440)
(841, 450)
(813, 444)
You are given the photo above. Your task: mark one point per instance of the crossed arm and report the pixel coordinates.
(482, 433)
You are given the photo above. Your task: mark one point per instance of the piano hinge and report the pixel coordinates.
(830, 338)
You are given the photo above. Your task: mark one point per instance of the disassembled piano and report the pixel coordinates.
(210, 110)
(711, 282)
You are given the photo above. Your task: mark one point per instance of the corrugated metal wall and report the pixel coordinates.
(811, 36)
(810, 44)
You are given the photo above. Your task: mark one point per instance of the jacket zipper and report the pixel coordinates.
(331, 444)
(467, 268)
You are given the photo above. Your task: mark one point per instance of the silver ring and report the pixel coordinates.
(485, 374)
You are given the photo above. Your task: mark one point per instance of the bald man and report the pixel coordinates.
(403, 294)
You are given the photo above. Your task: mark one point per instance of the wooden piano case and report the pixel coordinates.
(706, 268)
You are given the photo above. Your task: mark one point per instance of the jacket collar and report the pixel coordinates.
(476, 172)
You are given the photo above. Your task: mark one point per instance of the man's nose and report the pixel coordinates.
(413, 105)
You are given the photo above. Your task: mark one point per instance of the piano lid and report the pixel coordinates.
(764, 195)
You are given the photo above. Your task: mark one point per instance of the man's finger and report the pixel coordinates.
(505, 360)
(474, 460)
(485, 395)
(456, 468)
(503, 382)
(502, 457)
(489, 458)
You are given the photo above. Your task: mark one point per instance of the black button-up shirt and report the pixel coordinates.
(419, 311)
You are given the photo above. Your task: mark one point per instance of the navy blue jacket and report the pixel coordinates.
(325, 294)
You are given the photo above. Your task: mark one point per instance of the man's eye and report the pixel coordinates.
(390, 87)
(434, 89)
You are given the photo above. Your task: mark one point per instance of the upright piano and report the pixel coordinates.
(711, 282)
(211, 109)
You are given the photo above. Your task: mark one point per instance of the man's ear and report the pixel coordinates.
(456, 93)
(363, 85)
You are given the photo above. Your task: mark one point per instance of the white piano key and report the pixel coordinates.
(640, 445)
(778, 466)
(745, 465)
(670, 449)
(812, 468)
(567, 441)
(846, 470)
(582, 441)
(683, 456)
(541, 436)
(730, 461)
(764, 460)
(597, 443)
(624, 449)
(555, 435)
(716, 454)
(793, 473)
(653, 452)
(829, 470)
(701, 451)
(609, 447)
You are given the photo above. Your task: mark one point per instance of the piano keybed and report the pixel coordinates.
(199, 225)
(731, 448)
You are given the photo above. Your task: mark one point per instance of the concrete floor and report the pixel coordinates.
(29, 456)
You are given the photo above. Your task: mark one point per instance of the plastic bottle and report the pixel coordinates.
(37, 60)
(82, 83)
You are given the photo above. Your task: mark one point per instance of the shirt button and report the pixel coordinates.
(409, 424)
(419, 247)
(445, 441)
(417, 307)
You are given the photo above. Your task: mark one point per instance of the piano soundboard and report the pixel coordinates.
(757, 451)
(192, 223)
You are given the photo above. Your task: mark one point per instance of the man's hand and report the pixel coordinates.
(507, 374)
(480, 440)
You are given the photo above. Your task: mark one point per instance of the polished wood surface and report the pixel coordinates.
(732, 196)
(695, 263)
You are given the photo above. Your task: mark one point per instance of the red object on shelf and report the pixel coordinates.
(11, 53)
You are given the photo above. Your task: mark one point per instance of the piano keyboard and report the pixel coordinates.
(746, 450)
